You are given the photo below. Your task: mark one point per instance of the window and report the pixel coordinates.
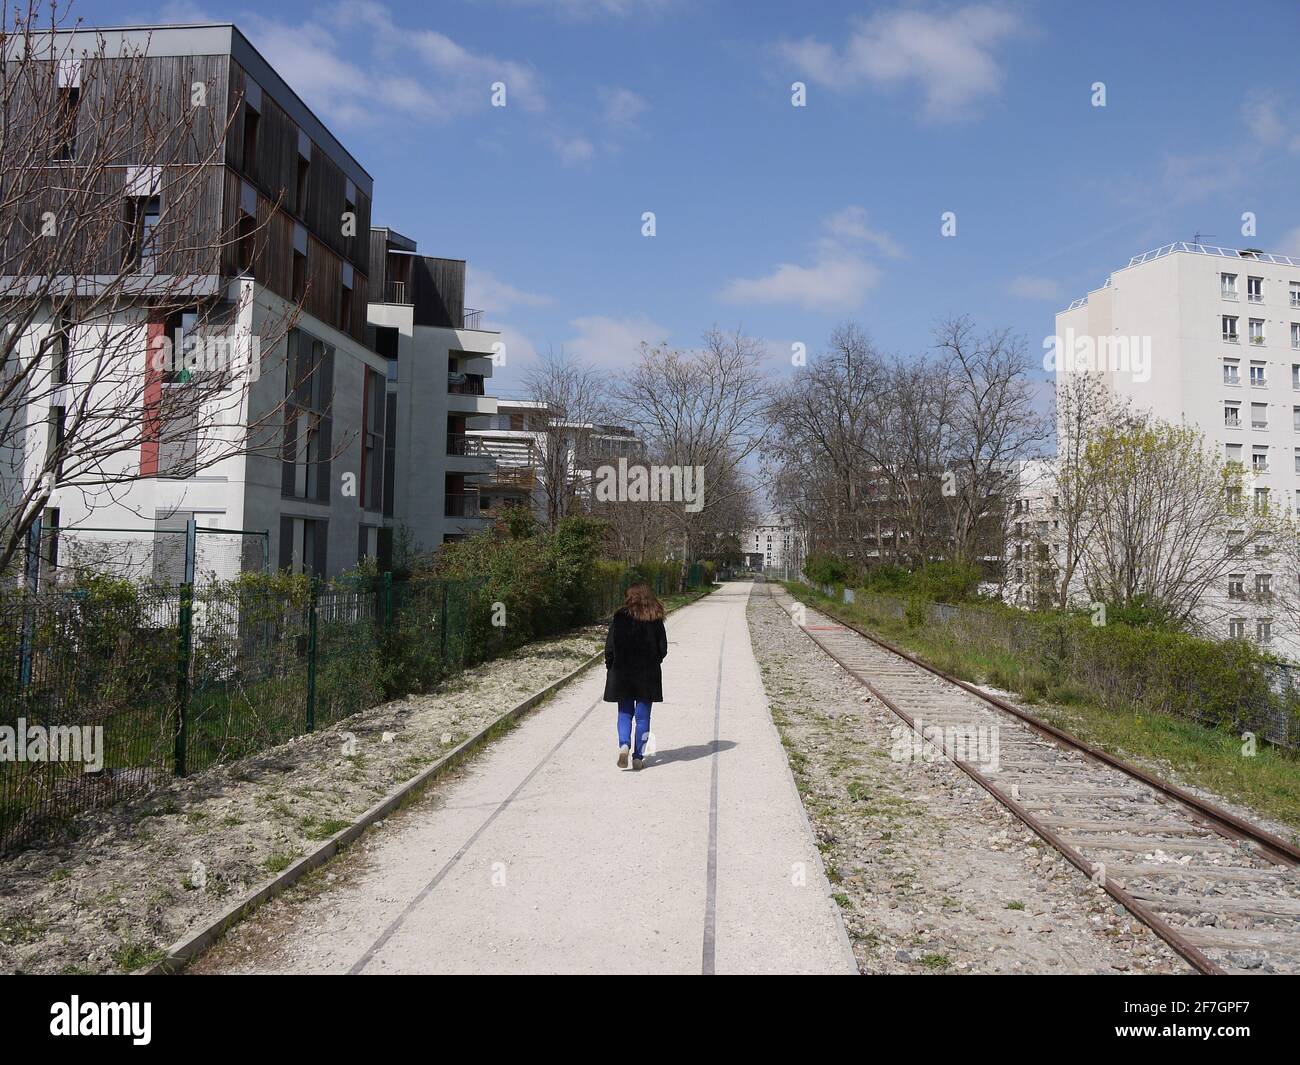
(1261, 500)
(1236, 544)
(1295, 293)
(1232, 497)
(1232, 453)
(1232, 415)
(308, 426)
(1236, 586)
(246, 248)
(68, 113)
(1295, 419)
(1228, 286)
(1297, 460)
(1259, 415)
(1264, 586)
(55, 434)
(251, 122)
(1255, 289)
(1230, 372)
(1259, 460)
(1237, 629)
(1257, 330)
(302, 545)
(1230, 328)
(1295, 335)
(1263, 632)
(1295, 376)
(372, 440)
(61, 350)
(300, 187)
(299, 276)
(1258, 377)
(140, 216)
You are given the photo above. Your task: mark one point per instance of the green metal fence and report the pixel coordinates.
(178, 679)
(162, 681)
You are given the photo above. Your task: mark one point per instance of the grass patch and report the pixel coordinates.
(130, 955)
(280, 861)
(935, 962)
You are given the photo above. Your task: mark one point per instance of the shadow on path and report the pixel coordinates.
(687, 754)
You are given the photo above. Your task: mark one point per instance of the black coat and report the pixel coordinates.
(633, 651)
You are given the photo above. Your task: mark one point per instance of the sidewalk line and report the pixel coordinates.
(711, 877)
(400, 919)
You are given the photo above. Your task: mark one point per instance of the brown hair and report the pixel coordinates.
(641, 603)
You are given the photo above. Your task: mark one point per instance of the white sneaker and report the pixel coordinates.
(622, 756)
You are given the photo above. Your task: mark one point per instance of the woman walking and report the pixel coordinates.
(636, 644)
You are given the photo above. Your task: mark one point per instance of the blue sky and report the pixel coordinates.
(787, 221)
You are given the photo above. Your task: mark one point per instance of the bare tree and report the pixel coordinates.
(994, 426)
(700, 409)
(572, 407)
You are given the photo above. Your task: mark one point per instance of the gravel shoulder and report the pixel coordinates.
(932, 874)
(138, 876)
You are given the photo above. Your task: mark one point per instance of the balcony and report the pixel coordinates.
(465, 384)
(403, 292)
(461, 505)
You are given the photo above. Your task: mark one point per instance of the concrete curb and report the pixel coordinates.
(184, 951)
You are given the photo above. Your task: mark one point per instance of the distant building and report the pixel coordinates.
(777, 543)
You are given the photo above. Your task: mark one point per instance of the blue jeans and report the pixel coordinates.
(625, 708)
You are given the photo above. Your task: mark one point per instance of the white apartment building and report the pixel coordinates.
(777, 543)
(439, 361)
(517, 437)
(1210, 337)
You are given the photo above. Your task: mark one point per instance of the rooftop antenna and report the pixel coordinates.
(1196, 237)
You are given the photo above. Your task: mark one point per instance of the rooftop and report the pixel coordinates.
(1250, 254)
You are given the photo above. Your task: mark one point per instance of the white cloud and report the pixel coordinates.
(587, 9)
(573, 150)
(839, 276)
(622, 106)
(829, 284)
(613, 342)
(1036, 288)
(391, 72)
(484, 290)
(850, 224)
(948, 57)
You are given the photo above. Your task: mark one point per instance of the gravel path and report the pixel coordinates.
(932, 874)
(138, 876)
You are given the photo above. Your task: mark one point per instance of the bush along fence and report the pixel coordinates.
(109, 689)
(1228, 684)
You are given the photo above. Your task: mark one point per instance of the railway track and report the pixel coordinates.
(1223, 893)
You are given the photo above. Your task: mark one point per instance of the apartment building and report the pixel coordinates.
(520, 436)
(364, 369)
(1210, 337)
(439, 360)
(259, 234)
